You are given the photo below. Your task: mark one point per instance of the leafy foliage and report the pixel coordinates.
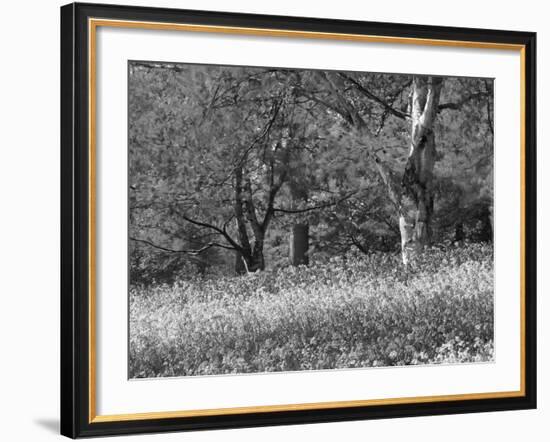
(287, 141)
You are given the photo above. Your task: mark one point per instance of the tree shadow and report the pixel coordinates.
(51, 424)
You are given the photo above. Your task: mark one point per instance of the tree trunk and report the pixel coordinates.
(299, 244)
(249, 263)
(240, 267)
(459, 232)
(299, 233)
(249, 258)
(491, 221)
(487, 232)
(256, 262)
(417, 182)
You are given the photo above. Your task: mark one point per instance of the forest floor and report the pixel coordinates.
(358, 311)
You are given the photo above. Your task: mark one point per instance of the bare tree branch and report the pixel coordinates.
(457, 105)
(386, 112)
(332, 107)
(337, 87)
(152, 65)
(320, 206)
(369, 94)
(357, 244)
(275, 187)
(186, 251)
(223, 232)
(388, 180)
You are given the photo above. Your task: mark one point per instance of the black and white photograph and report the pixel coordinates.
(288, 219)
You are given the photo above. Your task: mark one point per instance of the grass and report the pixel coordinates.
(356, 311)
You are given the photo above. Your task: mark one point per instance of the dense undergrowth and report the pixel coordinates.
(357, 311)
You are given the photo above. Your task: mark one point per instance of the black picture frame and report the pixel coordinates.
(75, 221)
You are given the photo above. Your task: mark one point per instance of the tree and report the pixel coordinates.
(410, 187)
(417, 198)
(220, 152)
(298, 185)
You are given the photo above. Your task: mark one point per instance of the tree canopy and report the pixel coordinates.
(225, 160)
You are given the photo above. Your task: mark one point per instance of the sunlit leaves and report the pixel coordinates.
(191, 125)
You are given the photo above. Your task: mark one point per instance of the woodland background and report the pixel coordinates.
(238, 168)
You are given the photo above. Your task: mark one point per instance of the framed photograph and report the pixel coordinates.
(274, 220)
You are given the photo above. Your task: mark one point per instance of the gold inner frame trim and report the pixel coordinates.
(93, 24)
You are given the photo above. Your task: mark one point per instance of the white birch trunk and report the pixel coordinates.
(417, 181)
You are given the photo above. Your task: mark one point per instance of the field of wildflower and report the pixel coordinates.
(353, 311)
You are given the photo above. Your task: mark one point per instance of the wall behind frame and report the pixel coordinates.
(29, 225)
